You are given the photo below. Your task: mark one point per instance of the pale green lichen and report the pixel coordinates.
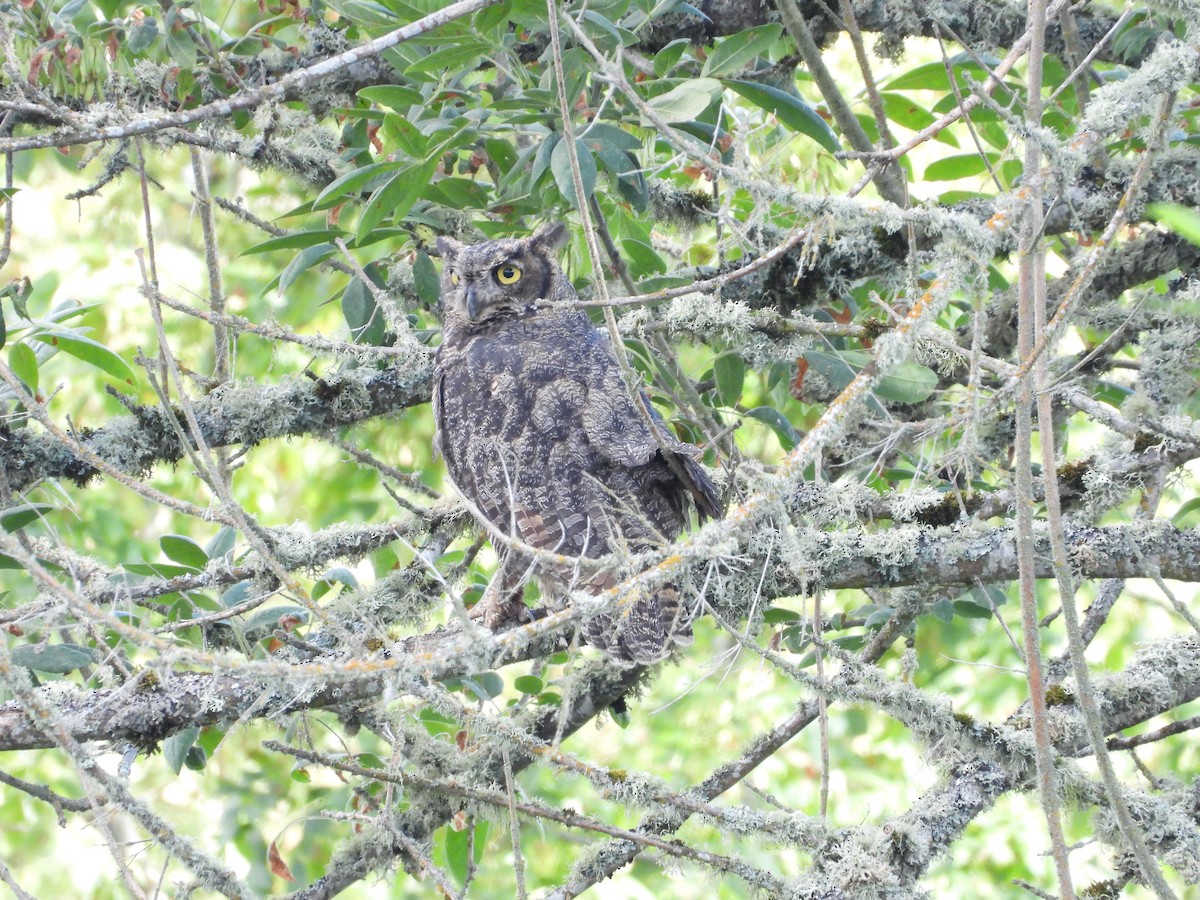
(1172, 66)
(908, 505)
(724, 321)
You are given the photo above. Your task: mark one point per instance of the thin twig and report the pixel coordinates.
(1032, 284)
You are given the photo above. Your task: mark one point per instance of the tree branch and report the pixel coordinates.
(235, 413)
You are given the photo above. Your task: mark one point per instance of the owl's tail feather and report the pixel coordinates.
(644, 632)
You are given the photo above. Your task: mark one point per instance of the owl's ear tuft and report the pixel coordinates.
(448, 248)
(549, 238)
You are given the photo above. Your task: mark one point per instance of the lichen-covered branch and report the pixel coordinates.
(233, 414)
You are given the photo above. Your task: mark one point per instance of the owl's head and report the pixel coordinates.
(498, 279)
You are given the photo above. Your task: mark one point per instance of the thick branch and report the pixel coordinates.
(150, 708)
(922, 556)
(1162, 679)
(286, 88)
(150, 713)
(243, 414)
(601, 686)
(990, 25)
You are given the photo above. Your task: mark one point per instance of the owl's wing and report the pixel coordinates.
(619, 431)
(443, 443)
(438, 429)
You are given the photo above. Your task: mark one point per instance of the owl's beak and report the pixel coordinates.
(472, 303)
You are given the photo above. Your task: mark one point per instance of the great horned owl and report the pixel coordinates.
(541, 436)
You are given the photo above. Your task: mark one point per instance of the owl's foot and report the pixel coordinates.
(501, 610)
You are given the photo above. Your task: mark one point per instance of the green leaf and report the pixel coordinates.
(932, 76)
(485, 685)
(397, 196)
(643, 259)
(602, 31)
(183, 550)
(1183, 220)
(988, 596)
(995, 134)
(602, 133)
(1188, 515)
(967, 609)
(268, 619)
(393, 96)
(142, 35)
(1009, 172)
(235, 594)
(93, 353)
(735, 52)
(1132, 39)
(964, 166)
(175, 748)
(222, 542)
(773, 418)
(460, 193)
(363, 315)
(158, 570)
(493, 17)
(500, 152)
(24, 363)
(686, 100)
(180, 44)
(56, 658)
(350, 182)
(457, 844)
(729, 370)
(907, 382)
(777, 616)
(541, 159)
(426, 282)
(878, 617)
(435, 722)
(365, 13)
(837, 368)
(630, 181)
(305, 260)
(196, 759)
(297, 239)
(790, 110)
(905, 111)
(666, 58)
(461, 56)
(528, 684)
(943, 610)
(210, 738)
(560, 165)
(336, 575)
(19, 516)
(401, 134)
(200, 602)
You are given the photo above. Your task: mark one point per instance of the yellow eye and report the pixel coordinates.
(454, 278)
(508, 273)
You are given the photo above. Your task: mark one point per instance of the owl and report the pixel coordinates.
(541, 436)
